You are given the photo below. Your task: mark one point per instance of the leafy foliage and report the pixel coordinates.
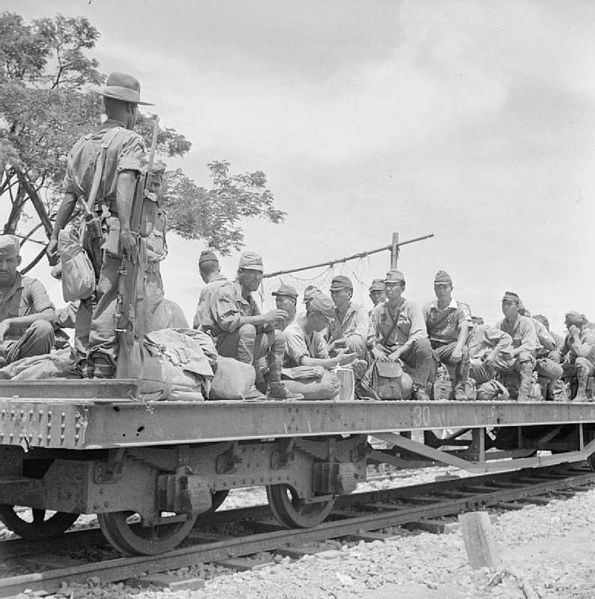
(215, 214)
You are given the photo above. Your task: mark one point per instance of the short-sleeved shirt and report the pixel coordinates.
(485, 339)
(299, 344)
(226, 307)
(355, 322)
(126, 152)
(523, 333)
(25, 296)
(201, 315)
(587, 339)
(396, 327)
(444, 325)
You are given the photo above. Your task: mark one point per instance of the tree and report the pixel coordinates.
(215, 214)
(46, 105)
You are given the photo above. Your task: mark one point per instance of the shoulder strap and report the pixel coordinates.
(392, 329)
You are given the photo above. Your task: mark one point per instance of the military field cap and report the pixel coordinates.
(9, 245)
(394, 276)
(442, 278)
(575, 318)
(310, 292)
(377, 285)
(286, 291)
(341, 282)
(322, 304)
(251, 261)
(511, 296)
(207, 256)
(121, 86)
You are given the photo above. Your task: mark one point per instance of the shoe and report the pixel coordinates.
(278, 391)
(460, 394)
(419, 394)
(582, 398)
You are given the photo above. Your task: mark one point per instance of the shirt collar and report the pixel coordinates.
(453, 304)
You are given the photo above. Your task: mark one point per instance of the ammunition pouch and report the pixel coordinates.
(386, 380)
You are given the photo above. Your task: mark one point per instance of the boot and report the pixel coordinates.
(277, 390)
(526, 381)
(581, 392)
(419, 393)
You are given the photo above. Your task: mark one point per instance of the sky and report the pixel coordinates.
(472, 121)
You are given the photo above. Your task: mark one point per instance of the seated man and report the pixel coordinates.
(490, 351)
(305, 345)
(376, 291)
(26, 312)
(286, 300)
(398, 332)
(524, 341)
(578, 353)
(210, 273)
(241, 331)
(447, 323)
(547, 363)
(349, 327)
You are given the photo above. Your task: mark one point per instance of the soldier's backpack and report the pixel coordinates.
(387, 380)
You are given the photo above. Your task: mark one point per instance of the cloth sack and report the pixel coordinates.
(492, 391)
(177, 365)
(57, 364)
(233, 379)
(313, 382)
(78, 276)
(386, 379)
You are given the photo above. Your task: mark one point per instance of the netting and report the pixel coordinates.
(361, 271)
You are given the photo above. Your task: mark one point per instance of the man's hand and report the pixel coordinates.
(457, 354)
(344, 357)
(275, 316)
(394, 356)
(380, 353)
(52, 252)
(574, 331)
(4, 329)
(489, 360)
(128, 244)
(337, 344)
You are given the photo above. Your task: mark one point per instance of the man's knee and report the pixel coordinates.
(355, 344)
(423, 348)
(42, 330)
(584, 365)
(247, 331)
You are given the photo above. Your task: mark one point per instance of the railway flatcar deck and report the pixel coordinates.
(94, 447)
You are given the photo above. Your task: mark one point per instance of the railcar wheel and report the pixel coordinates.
(34, 524)
(126, 533)
(293, 512)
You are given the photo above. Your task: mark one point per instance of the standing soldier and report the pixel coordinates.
(105, 164)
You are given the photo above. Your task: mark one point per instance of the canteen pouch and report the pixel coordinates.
(386, 380)
(78, 275)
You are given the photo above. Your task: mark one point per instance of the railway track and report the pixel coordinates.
(357, 517)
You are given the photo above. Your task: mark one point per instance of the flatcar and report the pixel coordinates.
(148, 469)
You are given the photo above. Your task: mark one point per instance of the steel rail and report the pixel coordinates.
(484, 495)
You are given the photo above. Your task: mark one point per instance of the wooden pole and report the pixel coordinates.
(479, 541)
(347, 258)
(394, 252)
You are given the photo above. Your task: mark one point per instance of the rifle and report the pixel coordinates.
(129, 315)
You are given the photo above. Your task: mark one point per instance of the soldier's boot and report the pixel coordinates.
(526, 381)
(277, 390)
(581, 393)
(460, 392)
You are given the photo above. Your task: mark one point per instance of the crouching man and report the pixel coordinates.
(398, 332)
(26, 312)
(242, 332)
(578, 353)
